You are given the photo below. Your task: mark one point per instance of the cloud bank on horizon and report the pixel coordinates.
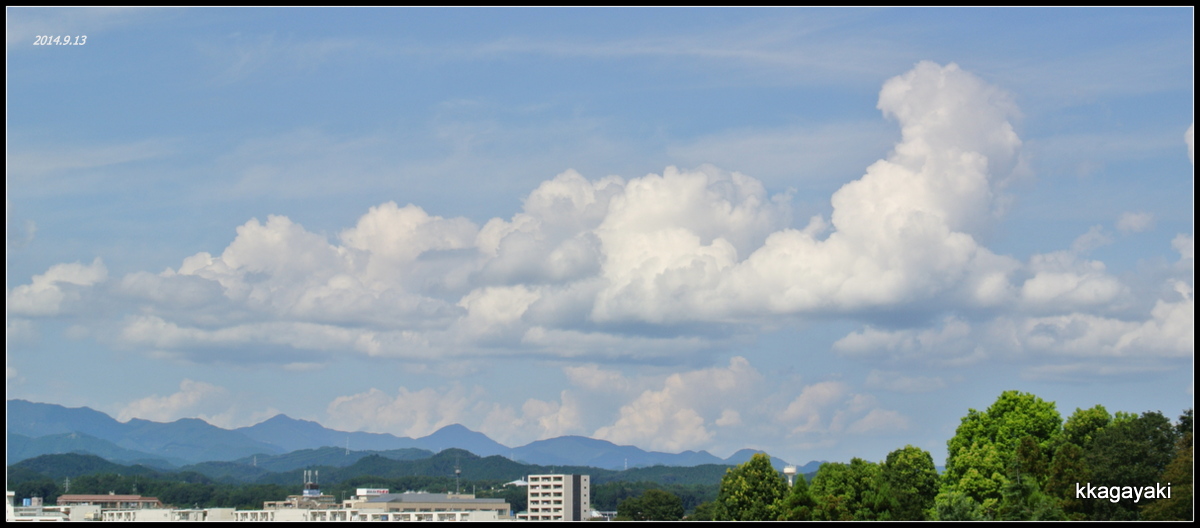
(640, 291)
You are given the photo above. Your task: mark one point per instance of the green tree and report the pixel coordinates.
(830, 491)
(1134, 452)
(1130, 452)
(750, 491)
(851, 492)
(1082, 426)
(653, 505)
(1029, 461)
(1023, 500)
(705, 511)
(798, 504)
(985, 445)
(981, 476)
(956, 506)
(1180, 477)
(610, 495)
(1066, 469)
(913, 481)
(1185, 423)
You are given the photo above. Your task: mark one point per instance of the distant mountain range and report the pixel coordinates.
(283, 443)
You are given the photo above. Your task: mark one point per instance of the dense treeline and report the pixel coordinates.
(1018, 460)
(609, 496)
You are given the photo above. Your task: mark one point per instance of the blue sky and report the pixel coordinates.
(820, 232)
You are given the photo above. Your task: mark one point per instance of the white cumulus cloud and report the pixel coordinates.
(954, 343)
(60, 285)
(194, 399)
(830, 409)
(682, 414)
(418, 413)
(409, 413)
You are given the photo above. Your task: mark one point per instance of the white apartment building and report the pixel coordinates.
(558, 498)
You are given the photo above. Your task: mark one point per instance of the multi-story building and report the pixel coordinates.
(558, 498)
